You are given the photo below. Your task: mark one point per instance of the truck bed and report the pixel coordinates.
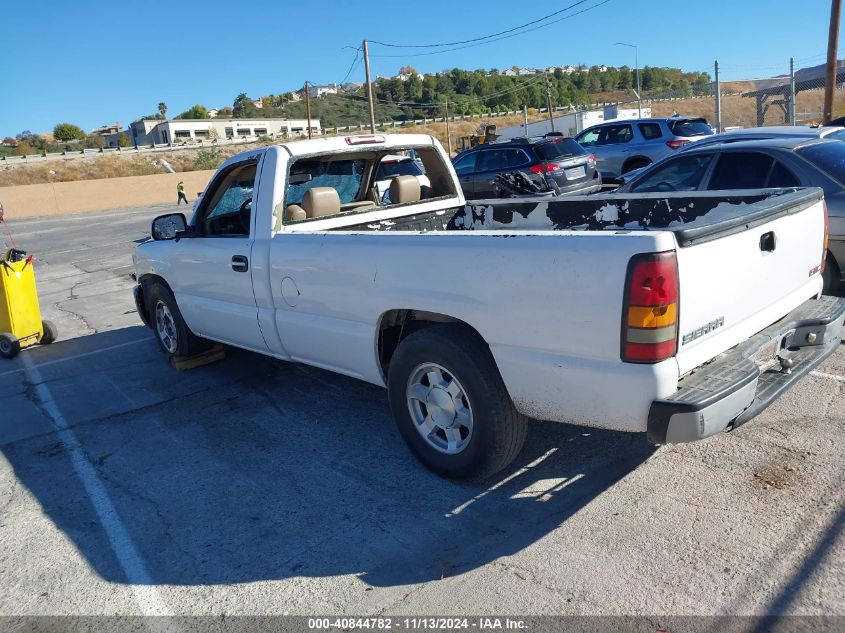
(693, 217)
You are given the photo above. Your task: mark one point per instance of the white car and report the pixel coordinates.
(675, 315)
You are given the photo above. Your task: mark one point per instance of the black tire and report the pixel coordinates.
(9, 345)
(50, 333)
(498, 429)
(635, 164)
(186, 342)
(832, 276)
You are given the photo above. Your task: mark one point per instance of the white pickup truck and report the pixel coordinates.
(677, 316)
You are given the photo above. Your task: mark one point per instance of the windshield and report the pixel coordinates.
(344, 176)
(829, 157)
(687, 127)
(558, 149)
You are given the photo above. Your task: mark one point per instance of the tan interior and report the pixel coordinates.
(295, 213)
(320, 201)
(404, 189)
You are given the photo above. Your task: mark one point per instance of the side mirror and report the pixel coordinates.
(168, 227)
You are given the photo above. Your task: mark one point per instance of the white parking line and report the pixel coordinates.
(821, 374)
(74, 357)
(147, 597)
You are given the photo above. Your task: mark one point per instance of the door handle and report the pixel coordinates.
(240, 264)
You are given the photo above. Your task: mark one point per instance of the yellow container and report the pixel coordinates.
(20, 315)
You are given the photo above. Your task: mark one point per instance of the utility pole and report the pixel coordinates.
(549, 102)
(792, 91)
(637, 71)
(718, 100)
(448, 131)
(369, 88)
(308, 108)
(832, 47)
(525, 118)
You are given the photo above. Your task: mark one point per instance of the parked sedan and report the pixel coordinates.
(761, 164)
(622, 146)
(772, 131)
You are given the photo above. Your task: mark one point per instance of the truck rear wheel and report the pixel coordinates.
(172, 333)
(451, 405)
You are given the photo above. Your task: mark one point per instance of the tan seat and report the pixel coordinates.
(295, 213)
(321, 201)
(404, 189)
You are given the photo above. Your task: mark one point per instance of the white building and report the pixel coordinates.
(149, 131)
(319, 91)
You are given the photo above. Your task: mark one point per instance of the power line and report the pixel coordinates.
(497, 39)
(351, 66)
(485, 37)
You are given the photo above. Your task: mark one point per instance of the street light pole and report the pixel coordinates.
(637, 71)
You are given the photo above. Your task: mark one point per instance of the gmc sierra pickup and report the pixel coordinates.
(679, 316)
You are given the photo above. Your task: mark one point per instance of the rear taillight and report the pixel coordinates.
(540, 168)
(591, 161)
(650, 313)
(826, 238)
(676, 144)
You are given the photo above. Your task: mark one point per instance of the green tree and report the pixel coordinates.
(196, 112)
(123, 140)
(243, 107)
(24, 149)
(162, 109)
(94, 141)
(67, 132)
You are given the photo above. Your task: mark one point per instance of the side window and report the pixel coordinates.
(466, 164)
(517, 158)
(494, 159)
(227, 207)
(616, 135)
(741, 170)
(588, 138)
(650, 130)
(680, 174)
(781, 177)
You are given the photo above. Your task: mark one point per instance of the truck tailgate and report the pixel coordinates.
(748, 267)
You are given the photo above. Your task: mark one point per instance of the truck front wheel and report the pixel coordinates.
(172, 333)
(451, 405)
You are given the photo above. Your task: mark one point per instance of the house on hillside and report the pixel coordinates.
(352, 86)
(105, 130)
(319, 91)
(213, 113)
(407, 76)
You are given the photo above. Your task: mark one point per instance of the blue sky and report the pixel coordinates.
(98, 61)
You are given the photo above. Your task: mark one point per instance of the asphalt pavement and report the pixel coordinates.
(254, 486)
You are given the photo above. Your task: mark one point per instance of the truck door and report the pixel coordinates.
(212, 273)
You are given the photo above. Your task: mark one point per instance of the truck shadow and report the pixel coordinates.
(253, 469)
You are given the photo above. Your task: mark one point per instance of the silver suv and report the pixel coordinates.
(622, 146)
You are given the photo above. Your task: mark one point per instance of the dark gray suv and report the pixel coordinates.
(622, 146)
(551, 165)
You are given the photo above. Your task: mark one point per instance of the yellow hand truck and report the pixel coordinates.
(20, 315)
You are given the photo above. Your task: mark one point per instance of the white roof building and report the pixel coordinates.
(151, 131)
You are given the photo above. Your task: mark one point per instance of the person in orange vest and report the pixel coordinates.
(180, 190)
